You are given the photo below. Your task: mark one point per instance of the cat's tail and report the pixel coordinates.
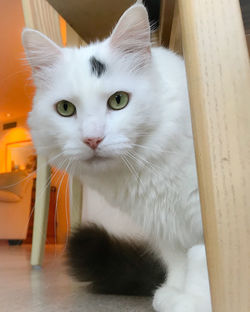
(113, 265)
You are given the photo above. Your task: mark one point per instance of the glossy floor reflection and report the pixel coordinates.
(50, 289)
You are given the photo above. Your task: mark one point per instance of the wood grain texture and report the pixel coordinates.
(41, 211)
(218, 73)
(41, 16)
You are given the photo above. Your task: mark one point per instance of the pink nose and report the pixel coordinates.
(93, 142)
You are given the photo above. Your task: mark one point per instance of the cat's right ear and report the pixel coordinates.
(41, 52)
(131, 36)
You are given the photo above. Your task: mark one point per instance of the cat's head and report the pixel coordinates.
(93, 105)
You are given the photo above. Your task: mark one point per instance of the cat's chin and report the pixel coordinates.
(99, 163)
(97, 159)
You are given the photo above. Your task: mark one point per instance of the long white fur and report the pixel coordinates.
(145, 163)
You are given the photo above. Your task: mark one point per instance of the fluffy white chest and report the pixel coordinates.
(165, 206)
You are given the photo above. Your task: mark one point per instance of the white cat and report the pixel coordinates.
(116, 113)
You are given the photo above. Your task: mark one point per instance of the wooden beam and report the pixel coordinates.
(41, 16)
(41, 211)
(76, 200)
(175, 41)
(218, 74)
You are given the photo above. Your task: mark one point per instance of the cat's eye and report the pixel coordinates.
(118, 100)
(65, 108)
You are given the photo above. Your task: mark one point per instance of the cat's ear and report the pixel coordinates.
(41, 52)
(131, 36)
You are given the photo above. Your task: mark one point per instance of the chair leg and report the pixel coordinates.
(40, 212)
(75, 203)
(40, 15)
(218, 72)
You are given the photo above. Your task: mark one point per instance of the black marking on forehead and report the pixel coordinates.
(97, 68)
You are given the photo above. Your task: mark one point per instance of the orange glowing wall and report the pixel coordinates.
(16, 89)
(16, 92)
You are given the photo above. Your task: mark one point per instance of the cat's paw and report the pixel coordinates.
(168, 299)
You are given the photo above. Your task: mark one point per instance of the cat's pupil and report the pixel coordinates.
(65, 106)
(118, 99)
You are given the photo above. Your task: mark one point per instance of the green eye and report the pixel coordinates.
(65, 108)
(118, 100)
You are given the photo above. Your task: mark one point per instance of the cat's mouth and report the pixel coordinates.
(96, 158)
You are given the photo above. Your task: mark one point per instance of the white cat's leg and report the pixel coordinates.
(187, 287)
(197, 283)
(171, 292)
(171, 299)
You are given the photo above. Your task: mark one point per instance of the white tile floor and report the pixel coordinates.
(50, 289)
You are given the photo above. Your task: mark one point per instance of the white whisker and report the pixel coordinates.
(132, 169)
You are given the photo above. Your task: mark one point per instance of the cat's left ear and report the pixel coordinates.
(41, 52)
(131, 36)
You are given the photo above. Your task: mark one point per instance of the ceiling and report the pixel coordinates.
(95, 19)
(15, 86)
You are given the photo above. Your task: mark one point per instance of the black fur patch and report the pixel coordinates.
(113, 265)
(97, 68)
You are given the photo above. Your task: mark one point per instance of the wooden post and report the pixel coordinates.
(75, 202)
(218, 72)
(41, 16)
(41, 211)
